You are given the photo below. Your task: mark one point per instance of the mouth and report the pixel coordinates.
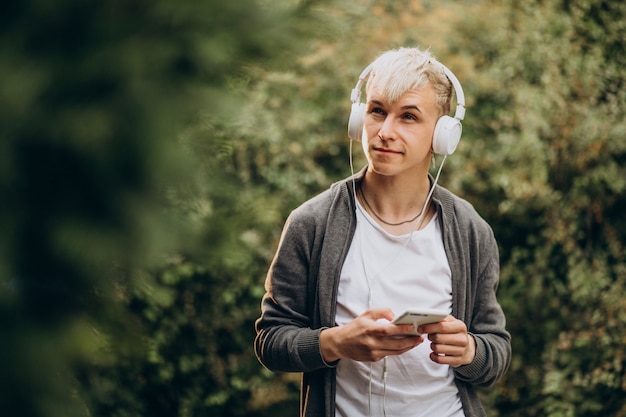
(386, 150)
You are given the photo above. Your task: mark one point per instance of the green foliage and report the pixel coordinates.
(556, 169)
(150, 152)
(196, 357)
(95, 99)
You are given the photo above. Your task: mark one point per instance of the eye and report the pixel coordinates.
(409, 116)
(377, 111)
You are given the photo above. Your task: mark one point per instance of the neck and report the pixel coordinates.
(394, 201)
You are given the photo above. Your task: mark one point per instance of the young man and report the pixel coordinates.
(385, 240)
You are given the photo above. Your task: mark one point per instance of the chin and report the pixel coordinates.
(383, 169)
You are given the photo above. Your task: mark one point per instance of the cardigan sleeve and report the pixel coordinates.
(296, 306)
(302, 281)
(285, 340)
(487, 326)
(484, 316)
(474, 259)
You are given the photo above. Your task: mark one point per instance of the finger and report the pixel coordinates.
(434, 327)
(379, 313)
(393, 346)
(454, 339)
(448, 325)
(447, 350)
(401, 330)
(453, 361)
(388, 347)
(403, 343)
(454, 354)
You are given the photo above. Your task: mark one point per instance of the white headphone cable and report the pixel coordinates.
(384, 386)
(369, 394)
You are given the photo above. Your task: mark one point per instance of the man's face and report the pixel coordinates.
(398, 136)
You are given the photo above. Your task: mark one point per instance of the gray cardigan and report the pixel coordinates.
(301, 293)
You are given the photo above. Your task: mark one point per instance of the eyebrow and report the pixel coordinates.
(409, 107)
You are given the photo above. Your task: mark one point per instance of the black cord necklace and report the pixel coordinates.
(380, 218)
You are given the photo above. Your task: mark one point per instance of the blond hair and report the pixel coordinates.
(396, 71)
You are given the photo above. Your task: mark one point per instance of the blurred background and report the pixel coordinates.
(150, 152)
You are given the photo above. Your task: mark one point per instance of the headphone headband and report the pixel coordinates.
(355, 96)
(459, 113)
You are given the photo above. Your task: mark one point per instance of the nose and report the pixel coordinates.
(387, 129)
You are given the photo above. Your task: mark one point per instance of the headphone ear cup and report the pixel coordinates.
(355, 123)
(447, 135)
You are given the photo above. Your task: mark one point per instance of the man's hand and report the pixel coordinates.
(451, 344)
(366, 339)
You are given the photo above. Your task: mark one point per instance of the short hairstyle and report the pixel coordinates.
(399, 70)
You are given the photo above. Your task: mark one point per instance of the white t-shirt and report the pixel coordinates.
(399, 272)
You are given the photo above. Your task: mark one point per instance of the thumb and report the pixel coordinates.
(379, 313)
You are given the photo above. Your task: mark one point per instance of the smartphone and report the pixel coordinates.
(419, 316)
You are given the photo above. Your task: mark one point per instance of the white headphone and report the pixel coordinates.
(447, 130)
